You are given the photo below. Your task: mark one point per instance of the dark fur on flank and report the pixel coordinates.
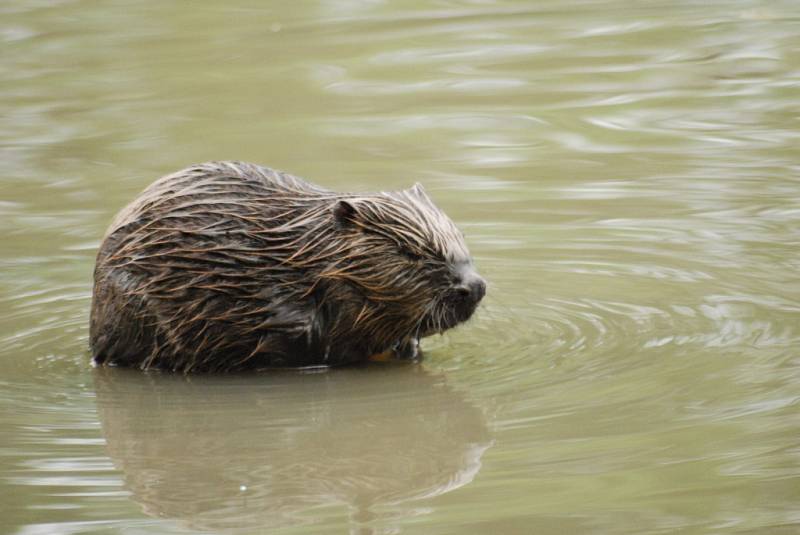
(230, 266)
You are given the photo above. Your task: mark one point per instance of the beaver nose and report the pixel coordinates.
(472, 287)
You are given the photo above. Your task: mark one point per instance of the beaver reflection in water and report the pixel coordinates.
(230, 266)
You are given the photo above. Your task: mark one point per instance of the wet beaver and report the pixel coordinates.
(229, 266)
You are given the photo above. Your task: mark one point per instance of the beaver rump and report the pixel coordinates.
(229, 266)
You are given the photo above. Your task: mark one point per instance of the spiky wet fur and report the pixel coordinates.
(229, 265)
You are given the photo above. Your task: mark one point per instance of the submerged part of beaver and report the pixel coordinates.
(229, 265)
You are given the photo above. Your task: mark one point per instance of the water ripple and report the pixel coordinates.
(626, 176)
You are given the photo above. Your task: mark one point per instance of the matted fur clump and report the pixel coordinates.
(229, 266)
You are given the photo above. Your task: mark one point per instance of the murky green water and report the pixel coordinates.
(628, 178)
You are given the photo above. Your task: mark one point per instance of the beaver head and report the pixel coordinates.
(408, 261)
(228, 265)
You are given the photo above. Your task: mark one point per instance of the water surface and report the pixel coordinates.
(628, 179)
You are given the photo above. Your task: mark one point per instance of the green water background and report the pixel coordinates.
(627, 175)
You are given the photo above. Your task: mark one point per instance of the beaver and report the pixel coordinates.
(228, 266)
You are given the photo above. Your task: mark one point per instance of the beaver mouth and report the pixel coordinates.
(455, 308)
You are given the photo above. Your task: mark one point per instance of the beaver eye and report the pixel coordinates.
(411, 255)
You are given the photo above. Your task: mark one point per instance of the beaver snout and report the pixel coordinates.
(472, 289)
(466, 295)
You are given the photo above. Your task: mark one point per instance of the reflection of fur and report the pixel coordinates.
(243, 453)
(229, 265)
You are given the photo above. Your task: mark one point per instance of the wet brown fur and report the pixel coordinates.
(228, 265)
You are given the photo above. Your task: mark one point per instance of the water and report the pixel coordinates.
(628, 179)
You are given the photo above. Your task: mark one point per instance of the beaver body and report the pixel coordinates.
(229, 266)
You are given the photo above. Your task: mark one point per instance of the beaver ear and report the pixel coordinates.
(419, 192)
(343, 211)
